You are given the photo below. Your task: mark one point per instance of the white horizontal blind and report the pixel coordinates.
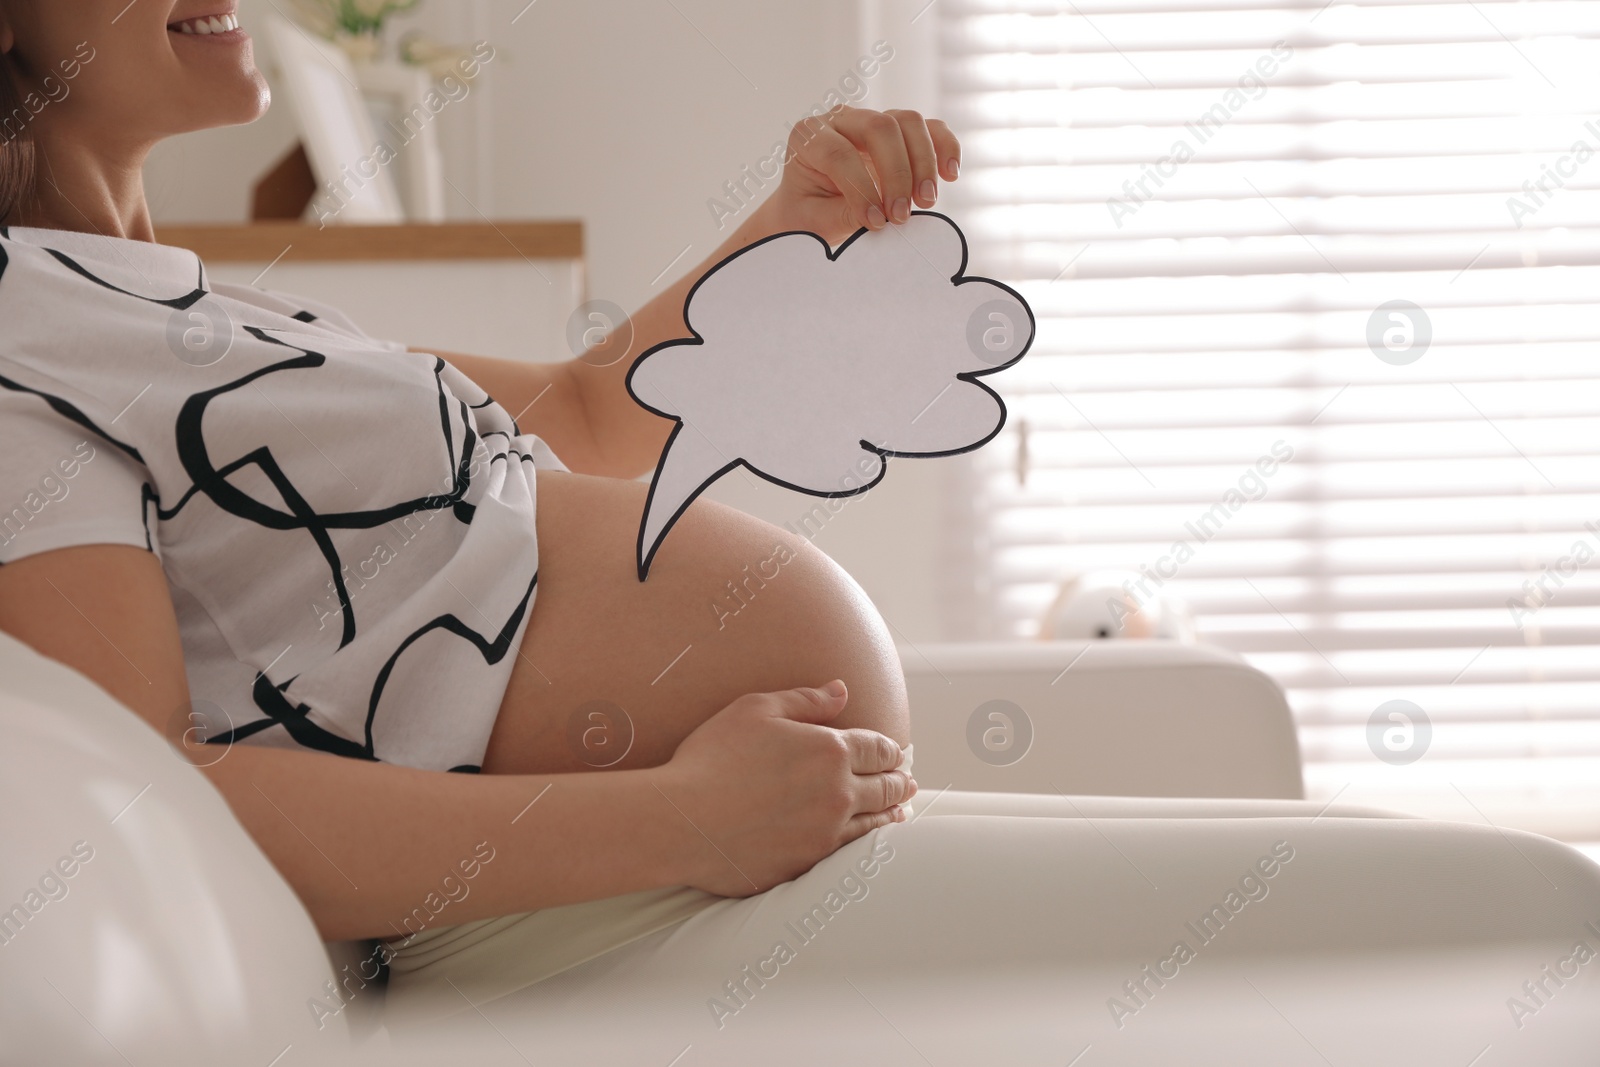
(1207, 202)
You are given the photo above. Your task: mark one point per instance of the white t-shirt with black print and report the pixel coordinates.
(346, 528)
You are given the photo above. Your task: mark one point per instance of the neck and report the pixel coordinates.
(88, 191)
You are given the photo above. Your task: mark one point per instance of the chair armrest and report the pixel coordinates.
(169, 905)
(1113, 718)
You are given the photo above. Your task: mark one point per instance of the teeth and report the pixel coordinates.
(209, 25)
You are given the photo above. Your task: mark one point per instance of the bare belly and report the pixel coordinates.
(613, 672)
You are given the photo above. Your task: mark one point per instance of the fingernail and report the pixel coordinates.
(953, 167)
(834, 689)
(913, 786)
(875, 217)
(929, 192)
(901, 209)
(899, 813)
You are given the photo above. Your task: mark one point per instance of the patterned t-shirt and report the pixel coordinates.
(346, 528)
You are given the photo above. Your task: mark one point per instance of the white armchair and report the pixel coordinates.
(176, 937)
(176, 942)
(1105, 718)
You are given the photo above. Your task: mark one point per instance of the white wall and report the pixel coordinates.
(630, 115)
(206, 177)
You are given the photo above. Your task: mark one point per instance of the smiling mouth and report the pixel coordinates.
(206, 25)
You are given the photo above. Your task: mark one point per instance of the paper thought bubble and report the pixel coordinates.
(812, 366)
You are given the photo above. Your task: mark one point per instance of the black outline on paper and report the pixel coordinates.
(960, 277)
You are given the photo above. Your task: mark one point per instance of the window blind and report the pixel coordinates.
(1317, 354)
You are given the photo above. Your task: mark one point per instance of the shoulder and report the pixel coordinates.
(313, 313)
(58, 288)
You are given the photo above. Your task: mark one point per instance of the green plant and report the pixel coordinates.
(354, 17)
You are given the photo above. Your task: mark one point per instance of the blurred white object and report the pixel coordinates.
(140, 921)
(1108, 604)
(335, 126)
(394, 94)
(440, 60)
(1107, 718)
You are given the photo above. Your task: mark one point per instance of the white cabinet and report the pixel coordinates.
(502, 289)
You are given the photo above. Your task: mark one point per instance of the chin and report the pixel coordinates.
(222, 73)
(247, 93)
(260, 100)
(242, 100)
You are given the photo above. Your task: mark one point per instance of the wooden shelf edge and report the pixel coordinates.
(263, 242)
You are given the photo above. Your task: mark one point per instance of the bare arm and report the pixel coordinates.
(580, 407)
(848, 169)
(386, 835)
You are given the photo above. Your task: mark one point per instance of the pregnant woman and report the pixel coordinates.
(395, 594)
(362, 567)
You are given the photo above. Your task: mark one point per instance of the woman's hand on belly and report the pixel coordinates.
(772, 789)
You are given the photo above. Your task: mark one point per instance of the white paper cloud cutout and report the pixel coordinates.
(811, 366)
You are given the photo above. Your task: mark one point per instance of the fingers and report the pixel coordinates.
(813, 705)
(871, 752)
(924, 161)
(866, 822)
(882, 163)
(837, 158)
(882, 139)
(946, 148)
(880, 792)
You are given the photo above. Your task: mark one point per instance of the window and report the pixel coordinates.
(1317, 354)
